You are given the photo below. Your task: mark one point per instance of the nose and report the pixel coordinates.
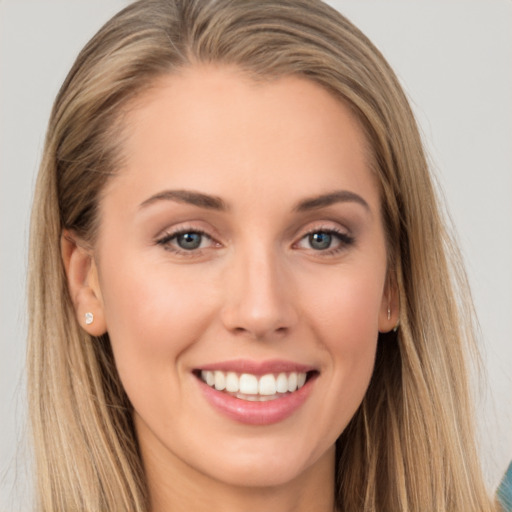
(259, 300)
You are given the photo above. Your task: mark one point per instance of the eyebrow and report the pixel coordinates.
(324, 200)
(188, 196)
(216, 203)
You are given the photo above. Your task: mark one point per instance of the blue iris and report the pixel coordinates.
(320, 241)
(189, 241)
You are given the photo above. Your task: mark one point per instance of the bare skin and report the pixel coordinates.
(244, 229)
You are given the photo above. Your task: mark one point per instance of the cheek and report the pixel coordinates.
(152, 316)
(347, 306)
(345, 315)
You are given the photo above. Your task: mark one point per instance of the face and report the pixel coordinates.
(241, 275)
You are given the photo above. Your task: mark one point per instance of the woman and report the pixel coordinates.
(242, 292)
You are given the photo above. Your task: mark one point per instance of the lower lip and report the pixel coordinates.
(257, 413)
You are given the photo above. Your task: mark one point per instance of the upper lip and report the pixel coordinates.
(257, 367)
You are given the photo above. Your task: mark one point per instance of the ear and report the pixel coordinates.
(389, 314)
(83, 283)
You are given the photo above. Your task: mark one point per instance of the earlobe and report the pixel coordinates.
(83, 284)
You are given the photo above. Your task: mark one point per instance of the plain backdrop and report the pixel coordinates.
(454, 59)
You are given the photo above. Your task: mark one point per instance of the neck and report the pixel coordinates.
(174, 485)
(191, 499)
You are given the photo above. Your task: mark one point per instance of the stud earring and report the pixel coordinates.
(89, 318)
(397, 325)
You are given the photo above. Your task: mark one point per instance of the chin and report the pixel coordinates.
(264, 465)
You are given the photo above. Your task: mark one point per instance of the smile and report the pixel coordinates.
(256, 393)
(247, 386)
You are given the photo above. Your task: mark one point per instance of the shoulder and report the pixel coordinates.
(505, 491)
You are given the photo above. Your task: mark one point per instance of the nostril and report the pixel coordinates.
(259, 333)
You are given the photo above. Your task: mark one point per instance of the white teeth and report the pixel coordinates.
(248, 384)
(232, 382)
(292, 382)
(208, 377)
(220, 381)
(282, 383)
(267, 385)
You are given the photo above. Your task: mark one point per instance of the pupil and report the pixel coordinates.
(320, 240)
(189, 241)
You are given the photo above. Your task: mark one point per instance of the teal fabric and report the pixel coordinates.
(505, 491)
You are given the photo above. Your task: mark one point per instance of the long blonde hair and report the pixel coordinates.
(410, 446)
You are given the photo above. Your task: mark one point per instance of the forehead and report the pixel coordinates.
(211, 125)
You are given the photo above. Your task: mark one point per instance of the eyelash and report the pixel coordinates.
(344, 240)
(165, 241)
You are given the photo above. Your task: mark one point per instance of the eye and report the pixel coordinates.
(186, 241)
(189, 241)
(325, 240)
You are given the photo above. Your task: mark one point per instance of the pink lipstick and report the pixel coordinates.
(256, 393)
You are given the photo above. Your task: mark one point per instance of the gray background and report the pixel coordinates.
(454, 58)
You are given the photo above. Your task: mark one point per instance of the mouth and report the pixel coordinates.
(255, 388)
(256, 392)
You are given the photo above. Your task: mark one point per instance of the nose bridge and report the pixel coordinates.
(258, 300)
